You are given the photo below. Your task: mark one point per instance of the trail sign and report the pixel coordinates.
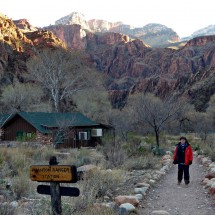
(64, 191)
(53, 173)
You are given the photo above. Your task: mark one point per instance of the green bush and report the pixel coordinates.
(21, 186)
(7, 210)
(146, 162)
(159, 151)
(25, 137)
(136, 147)
(114, 153)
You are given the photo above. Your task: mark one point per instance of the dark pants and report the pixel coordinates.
(183, 169)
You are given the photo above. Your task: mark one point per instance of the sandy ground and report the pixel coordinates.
(180, 199)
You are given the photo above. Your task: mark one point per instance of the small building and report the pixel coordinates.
(61, 129)
(3, 118)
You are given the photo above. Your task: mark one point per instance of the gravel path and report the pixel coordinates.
(180, 199)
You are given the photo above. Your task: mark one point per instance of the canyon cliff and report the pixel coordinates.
(153, 34)
(130, 64)
(133, 66)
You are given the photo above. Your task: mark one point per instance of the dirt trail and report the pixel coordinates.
(180, 199)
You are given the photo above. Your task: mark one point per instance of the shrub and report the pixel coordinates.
(7, 210)
(114, 153)
(96, 185)
(41, 207)
(85, 156)
(158, 151)
(136, 147)
(140, 163)
(21, 186)
(43, 154)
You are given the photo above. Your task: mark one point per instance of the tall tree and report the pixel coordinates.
(122, 121)
(94, 103)
(202, 124)
(60, 72)
(154, 113)
(211, 109)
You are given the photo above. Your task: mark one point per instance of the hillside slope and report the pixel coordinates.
(131, 65)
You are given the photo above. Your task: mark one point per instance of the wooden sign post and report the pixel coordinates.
(55, 198)
(55, 192)
(55, 174)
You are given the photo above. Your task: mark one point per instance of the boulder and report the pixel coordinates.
(143, 184)
(160, 212)
(129, 207)
(127, 199)
(210, 175)
(212, 189)
(141, 190)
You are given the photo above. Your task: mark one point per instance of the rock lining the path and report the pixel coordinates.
(209, 180)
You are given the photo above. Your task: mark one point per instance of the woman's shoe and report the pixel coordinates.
(186, 182)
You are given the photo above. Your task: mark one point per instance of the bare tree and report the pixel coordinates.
(154, 113)
(202, 124)
(22, 97)
(94, 103)
(122, 121)
(211, 110)
(64, 130)
(60, 72)
(60, 133)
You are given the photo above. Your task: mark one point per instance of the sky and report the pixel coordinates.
(183, 16)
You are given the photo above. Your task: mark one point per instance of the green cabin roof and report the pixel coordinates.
(44, 121)
(3, 118)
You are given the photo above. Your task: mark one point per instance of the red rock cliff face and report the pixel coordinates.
(77, 38)
(17, 45)
(24, 25)
(72, 35)
(104, 40)
(201, 41)
(132, 58)
(44, 39)
(13, 44)
(132, 66)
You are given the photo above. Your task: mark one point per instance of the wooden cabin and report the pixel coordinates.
(61, 129)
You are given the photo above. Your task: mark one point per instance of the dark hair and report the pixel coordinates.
(184, 138)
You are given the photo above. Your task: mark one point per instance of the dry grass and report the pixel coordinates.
(15, 165)
(96, 185)
(115, 154)
(7, 210)
(144, 162)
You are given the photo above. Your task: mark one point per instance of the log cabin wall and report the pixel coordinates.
(16, 125)
(1, 133)
(72, 140)
(75, 137)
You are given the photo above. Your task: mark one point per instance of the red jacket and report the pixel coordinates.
(188, 155)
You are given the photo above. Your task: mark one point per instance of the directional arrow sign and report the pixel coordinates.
(64, 191)
(53, 173)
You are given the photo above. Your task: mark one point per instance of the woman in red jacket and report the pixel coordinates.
(183, 156)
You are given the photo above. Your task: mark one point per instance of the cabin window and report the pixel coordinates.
(25, 136)
(29, 135)
(19, 135)
(82, 136)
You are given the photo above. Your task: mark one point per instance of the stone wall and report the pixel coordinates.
(43, 138)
